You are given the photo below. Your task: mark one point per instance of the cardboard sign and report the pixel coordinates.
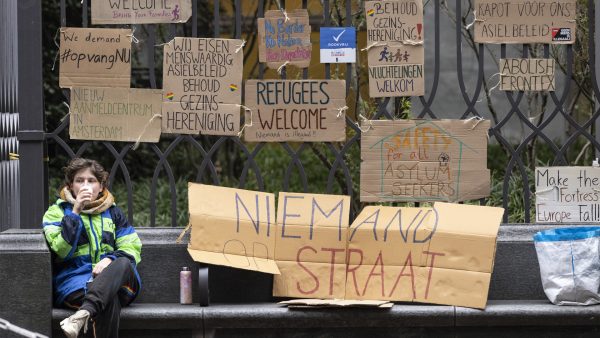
(202, 85)
(290, 110)
(232, 227)
(338, 44)
(311, 245)
(527, 74)
(441, 255)
(395, 48)
(115, 114)
(567, 194)
(284, 39)
(524, 21)
(419, 160)
(95, 57)
(137, 12)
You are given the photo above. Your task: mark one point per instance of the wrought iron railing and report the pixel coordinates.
(507, 110)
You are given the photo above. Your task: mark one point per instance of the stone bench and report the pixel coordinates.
(242, 304)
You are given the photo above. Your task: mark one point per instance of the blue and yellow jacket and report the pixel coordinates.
(81, 241)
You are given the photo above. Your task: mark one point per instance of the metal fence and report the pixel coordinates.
(9, 119)
(532, 114)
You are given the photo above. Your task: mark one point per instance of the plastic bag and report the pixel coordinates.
(570, 264)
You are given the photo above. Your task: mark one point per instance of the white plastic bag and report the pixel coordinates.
(569, 261)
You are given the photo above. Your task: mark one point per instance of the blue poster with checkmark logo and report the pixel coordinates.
(338, 45)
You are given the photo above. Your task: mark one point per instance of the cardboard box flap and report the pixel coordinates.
(468, 219)
(228, 203)
(232, 227)
(235, 261)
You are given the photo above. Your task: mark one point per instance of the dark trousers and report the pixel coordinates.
(103, 300)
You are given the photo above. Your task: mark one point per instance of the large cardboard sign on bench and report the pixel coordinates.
(395, 48)
(202, 86)
(138, 12)
(295, 110)
(441, 255)
(232, 227)
(567, 194)
(421, 160)
(95, 57)
(115, 114)
(524, 21)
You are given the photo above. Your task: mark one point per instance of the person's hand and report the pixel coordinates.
(84, 196)
(101, 266)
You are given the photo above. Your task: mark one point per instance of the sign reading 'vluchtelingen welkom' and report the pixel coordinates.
(338, 44)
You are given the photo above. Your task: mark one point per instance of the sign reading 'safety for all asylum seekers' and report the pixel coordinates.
(338, 44)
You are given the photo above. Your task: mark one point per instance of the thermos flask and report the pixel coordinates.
(185, 286)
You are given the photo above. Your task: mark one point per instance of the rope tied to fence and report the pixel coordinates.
(364, 119)
(287, 18)
(164, 43)
(475, 19)
(374, 44)
(132, 37)
(497, 84)
(58, 30)
(477, 119)
(239, 48)
(280, 69)
(6, 325)
(341, 111)
(239, 134)
(69, 113)
(137, 141)
(411, 42)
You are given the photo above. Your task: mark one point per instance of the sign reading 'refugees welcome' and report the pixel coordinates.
(288, 110)
(521, 21)
(95, 57)
(202, 81)
(441, 255)
(140, 11)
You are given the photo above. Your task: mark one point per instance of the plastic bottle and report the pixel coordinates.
(185, 286)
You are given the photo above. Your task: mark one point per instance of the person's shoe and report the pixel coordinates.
(72, 325)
